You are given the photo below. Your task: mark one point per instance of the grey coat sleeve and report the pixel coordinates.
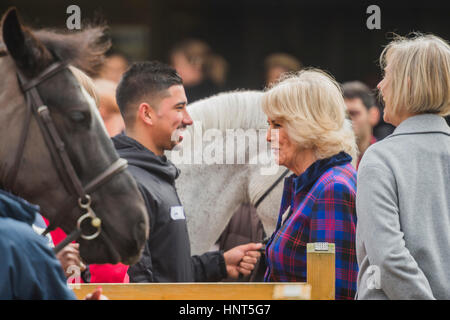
(380, 232)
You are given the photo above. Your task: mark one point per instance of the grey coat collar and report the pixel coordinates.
(423, 123)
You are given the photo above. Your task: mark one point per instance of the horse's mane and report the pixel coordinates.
(83, 49)
(230, 110)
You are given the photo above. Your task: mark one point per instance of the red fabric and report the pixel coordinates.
(100, 273)
(109, 273)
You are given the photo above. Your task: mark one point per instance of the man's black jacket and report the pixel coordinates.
(167, 253)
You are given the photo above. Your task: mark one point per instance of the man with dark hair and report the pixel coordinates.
(363, 112)
(153, 102)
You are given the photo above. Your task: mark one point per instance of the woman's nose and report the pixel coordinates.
(268, 135)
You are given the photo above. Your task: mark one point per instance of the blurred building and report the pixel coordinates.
(328, 34)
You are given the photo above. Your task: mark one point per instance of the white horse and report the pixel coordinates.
(224, 162)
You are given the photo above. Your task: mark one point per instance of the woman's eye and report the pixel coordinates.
(77, 116)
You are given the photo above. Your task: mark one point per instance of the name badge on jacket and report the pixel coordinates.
(177, 213)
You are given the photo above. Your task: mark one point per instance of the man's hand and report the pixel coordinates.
(70, 255)
(242, 259)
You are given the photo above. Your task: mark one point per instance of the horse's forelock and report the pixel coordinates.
(84, 49)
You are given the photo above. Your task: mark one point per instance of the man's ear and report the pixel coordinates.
(374, 116)
(146, 113)
(29, 54)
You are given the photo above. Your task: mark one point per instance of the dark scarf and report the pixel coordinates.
(318, 168)
(296, 184)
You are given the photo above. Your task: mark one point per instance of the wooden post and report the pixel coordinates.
(197, 291)
(320, 270)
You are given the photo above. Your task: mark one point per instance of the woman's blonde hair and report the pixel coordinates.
(419, 69)
(310, 105)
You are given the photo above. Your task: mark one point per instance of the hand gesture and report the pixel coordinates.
(70, 256)
(242, 259)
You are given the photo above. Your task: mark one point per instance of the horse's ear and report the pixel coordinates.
(29, 53)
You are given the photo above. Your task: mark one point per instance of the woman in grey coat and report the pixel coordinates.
(403, 194)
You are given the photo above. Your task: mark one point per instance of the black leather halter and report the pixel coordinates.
(64, 167)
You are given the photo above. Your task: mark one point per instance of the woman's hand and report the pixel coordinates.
(70, 256)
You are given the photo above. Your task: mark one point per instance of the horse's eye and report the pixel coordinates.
(77, 116)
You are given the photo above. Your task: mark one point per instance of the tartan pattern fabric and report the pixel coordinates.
(316, 207)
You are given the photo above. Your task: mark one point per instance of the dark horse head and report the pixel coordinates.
(117, 202)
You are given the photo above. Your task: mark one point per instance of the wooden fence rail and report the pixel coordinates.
(320, 285)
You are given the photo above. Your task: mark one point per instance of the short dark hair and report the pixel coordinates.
(147, 79)
(357, 89)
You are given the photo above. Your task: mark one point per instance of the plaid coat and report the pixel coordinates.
(317, 206)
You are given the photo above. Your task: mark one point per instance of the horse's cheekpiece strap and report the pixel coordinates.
(64, 164)
(118, 166)
(47, 73)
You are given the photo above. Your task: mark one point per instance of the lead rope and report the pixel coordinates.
(257, 203)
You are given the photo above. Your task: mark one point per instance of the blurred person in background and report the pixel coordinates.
(278, 63)
(103, 90)
(109, 110)
(363, 112)
(114, 66)
(382, 129)
(218, 70)
(203, 72)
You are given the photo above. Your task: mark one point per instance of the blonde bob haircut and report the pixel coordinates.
(419, 69)
(310, 105)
